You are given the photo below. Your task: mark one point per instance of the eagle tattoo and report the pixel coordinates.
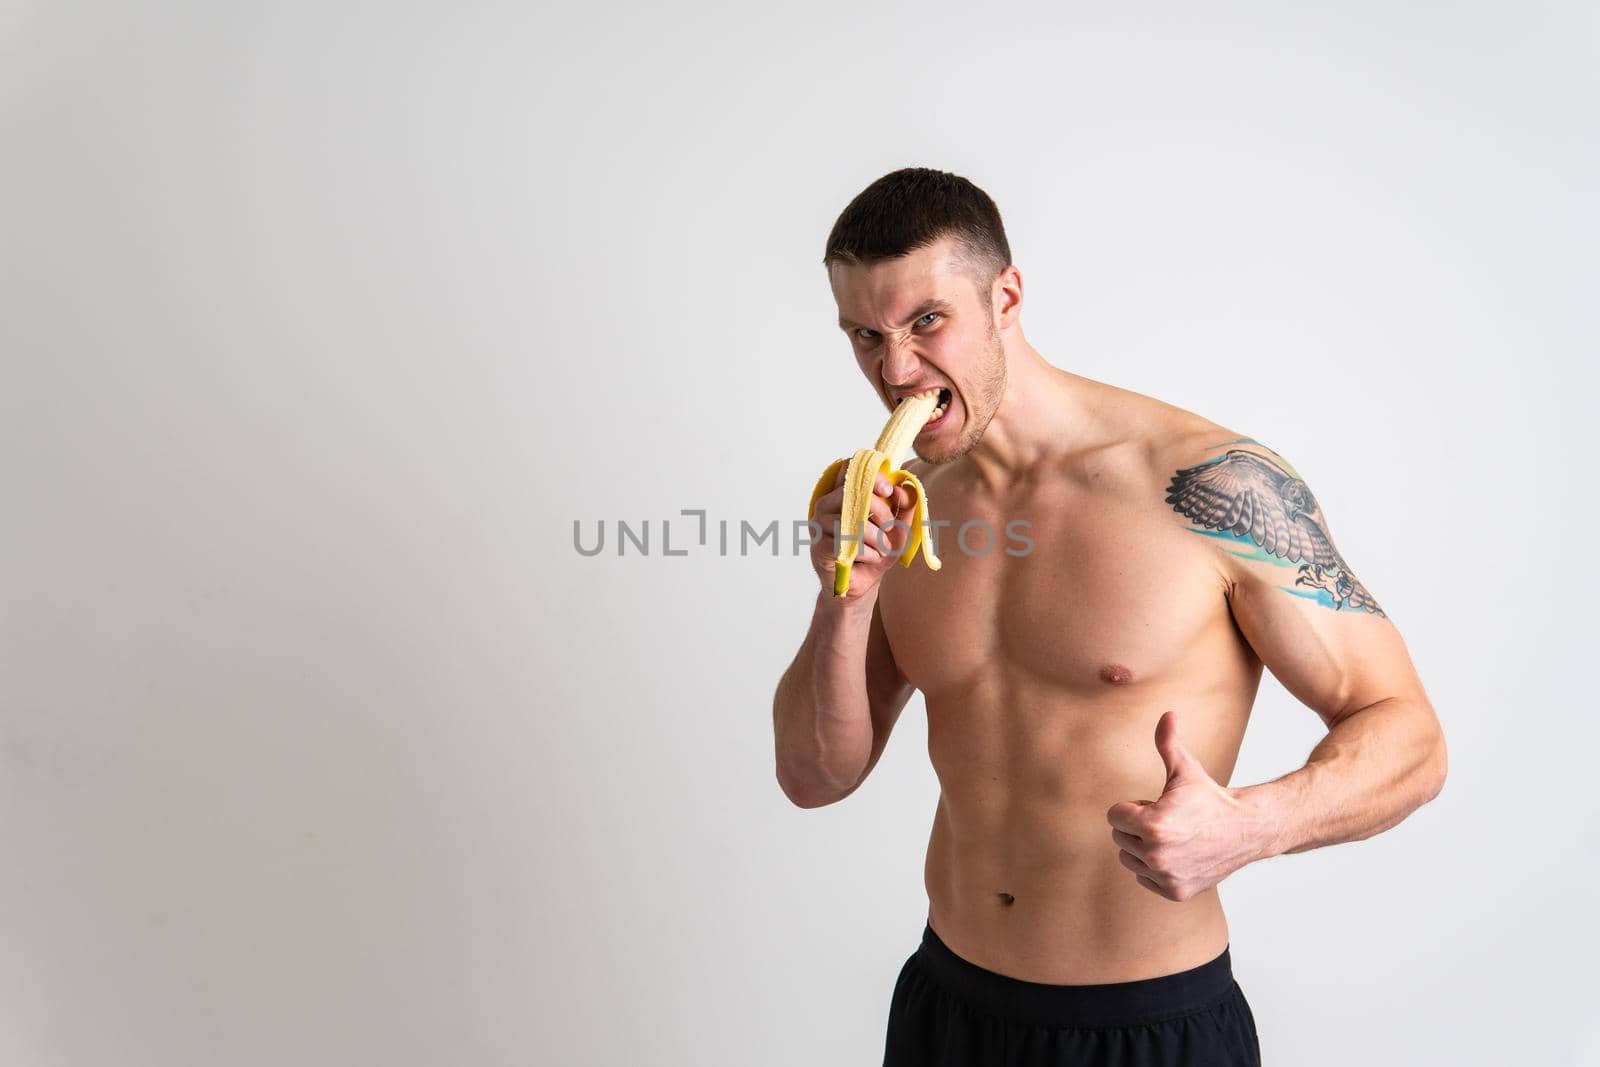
(1252, 497)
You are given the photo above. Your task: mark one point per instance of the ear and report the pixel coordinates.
(1006, 298)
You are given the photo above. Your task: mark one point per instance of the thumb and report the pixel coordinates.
(1181, 766)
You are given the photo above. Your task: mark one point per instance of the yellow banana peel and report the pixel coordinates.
(862, 471)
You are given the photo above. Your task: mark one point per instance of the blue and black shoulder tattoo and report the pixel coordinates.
(1249, 498)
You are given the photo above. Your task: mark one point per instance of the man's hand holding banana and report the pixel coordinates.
(872, 511)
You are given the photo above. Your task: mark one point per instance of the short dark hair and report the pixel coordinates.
(914, 207)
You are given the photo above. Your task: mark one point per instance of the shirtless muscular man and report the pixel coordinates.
(1086, 699)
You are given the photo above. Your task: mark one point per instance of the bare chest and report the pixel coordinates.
(1071, 590)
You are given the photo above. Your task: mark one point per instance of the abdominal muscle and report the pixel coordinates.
(1022, 873)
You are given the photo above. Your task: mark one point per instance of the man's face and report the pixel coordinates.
(917, 322)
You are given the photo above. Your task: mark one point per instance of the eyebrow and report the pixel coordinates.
(923, 309)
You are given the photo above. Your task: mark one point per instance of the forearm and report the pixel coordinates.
(821, 714)
(1375, 767)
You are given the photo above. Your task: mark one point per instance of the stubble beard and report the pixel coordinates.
(991, 387)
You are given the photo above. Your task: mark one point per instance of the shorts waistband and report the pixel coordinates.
(1142, 1001)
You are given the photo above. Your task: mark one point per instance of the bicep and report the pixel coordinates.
(1335, 660)
(1312, 621)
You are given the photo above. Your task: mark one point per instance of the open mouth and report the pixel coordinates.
(940, 409)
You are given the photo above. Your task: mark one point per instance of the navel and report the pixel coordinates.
(1007, 899)
(1116, 674)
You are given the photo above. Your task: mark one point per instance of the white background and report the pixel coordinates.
(323, 322)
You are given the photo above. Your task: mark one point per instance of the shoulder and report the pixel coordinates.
(1160, 440)
(1220, 481)
(1164, 440)
(1136, 444)
(1185, 456)
(1259, 512)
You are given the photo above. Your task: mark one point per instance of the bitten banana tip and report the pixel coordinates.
(862, 470)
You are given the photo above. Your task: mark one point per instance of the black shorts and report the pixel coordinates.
(947, 1011)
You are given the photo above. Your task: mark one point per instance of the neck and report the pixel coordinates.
(1044, 412)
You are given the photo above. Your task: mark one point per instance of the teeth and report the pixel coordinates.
(862, 471)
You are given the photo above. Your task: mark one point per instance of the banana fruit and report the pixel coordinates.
(863, 470)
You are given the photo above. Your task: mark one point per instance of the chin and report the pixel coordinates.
(942, 450)
(937, 456)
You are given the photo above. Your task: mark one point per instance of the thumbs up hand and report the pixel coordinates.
(1193, 836)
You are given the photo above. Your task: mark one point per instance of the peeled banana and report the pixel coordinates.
(863, 470)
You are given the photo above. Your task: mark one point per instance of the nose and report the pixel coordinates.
(900, 363)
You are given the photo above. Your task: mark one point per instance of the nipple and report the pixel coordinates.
(1116, 674)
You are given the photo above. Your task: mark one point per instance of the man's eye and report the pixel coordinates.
(863, 333)
(929, 315)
